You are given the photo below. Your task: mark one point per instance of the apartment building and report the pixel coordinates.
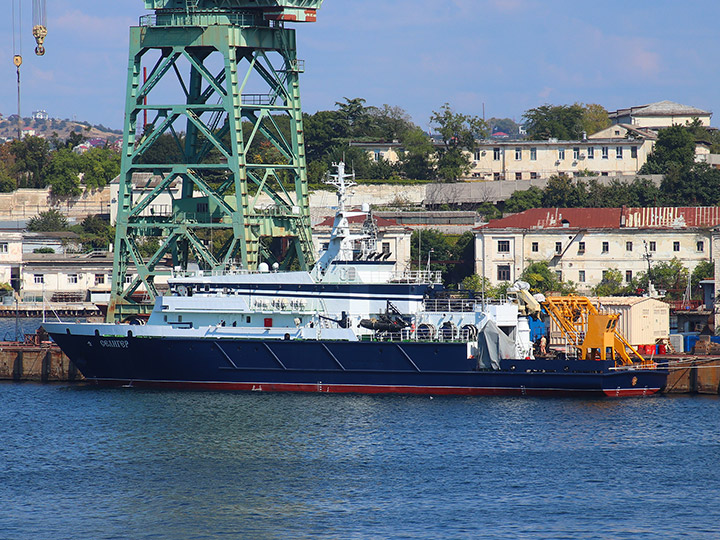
(583, 243)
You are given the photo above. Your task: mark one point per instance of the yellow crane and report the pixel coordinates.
(594, 334)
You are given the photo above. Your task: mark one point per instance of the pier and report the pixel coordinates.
(35, 310)
(35, 360)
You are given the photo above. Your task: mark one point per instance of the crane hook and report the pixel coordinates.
(39, 32)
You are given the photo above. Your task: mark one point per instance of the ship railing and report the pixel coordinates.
(441, 335)
(442, 305)
(417, 276)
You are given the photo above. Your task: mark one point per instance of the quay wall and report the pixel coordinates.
(41, 363)
(694, 376)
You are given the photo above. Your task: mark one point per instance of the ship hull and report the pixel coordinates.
(434, 368)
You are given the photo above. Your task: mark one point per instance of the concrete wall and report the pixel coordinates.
(23, 204)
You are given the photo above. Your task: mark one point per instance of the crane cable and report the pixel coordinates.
(39, 26)
(17, 54)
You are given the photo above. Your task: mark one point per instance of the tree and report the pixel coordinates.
(697, 185)
(390, 123)
(668, 276)
(523, 200)
(564, 192)
(49, 221)
(674, 150)
(611, 284)
(595, 118)
(459, 133)
(416, 157)
(563, 122)
(704, 270)
(543, 279)
(506, 125)
(353, 115)
(31, 155)
(99, 166)
(62, 173)
(433, 246)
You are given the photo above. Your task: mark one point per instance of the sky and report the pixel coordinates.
(493, 57)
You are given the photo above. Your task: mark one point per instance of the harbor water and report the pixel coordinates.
(86, 463)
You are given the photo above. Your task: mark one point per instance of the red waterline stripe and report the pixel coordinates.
(376, 389)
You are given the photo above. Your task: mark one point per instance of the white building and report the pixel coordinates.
(582, 243)
(659, 115)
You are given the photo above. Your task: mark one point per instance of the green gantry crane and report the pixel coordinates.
(228, 143)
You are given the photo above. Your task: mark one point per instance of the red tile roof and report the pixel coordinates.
(359, 220)
(610, 218)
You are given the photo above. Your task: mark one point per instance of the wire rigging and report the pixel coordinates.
(39, 26)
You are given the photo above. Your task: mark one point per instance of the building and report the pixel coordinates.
(582, 243)
(660, 115)
(143, 185)
(40, 115)
(600, 155)
(533, 160)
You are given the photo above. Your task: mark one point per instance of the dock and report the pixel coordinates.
(692, 374)
(35, 360)
(35, 310)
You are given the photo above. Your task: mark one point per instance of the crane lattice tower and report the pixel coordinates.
(216, 174)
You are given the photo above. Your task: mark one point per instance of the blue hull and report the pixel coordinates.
(339, 366)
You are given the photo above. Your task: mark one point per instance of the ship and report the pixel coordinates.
(353, 324)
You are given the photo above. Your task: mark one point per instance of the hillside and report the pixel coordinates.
(63, 128)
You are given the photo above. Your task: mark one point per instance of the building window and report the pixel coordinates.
(72, 279)
(99, 279)
(496, 154)
(378, 155)
(576, 153)
(558, 247)
(619, 152)
(653, 246)
(496, 176)
(700, 245)
(604, 274)
(605, 152)
(534, 176)
(3, 247)
(581, 276)
(518, 176)
(604, 173)
(605, 247)
(535, 248)
(128, 279)
(628, 246)
(628, 275)
(633, 152)
(39, 278)
(518, 153)
(591, 152)
(476, 156)
(558, 275)
(503, 246)
(676, 246)
(561, 153)
(581, 247)
(533, 154)
(503, 272)
(386, 248)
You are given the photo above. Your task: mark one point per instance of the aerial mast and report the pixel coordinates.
(222, 94)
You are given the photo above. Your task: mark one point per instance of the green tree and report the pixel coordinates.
(31, 156)
(611, 284)
(698, 185)
(674, 150)
(459, 132)
(543, 279)
(563, 122)
(523, 200)
(595, 118)
(562, 191)
(49, 221)
(704, 270)
(99, 166)
(416, 158)
(670, 277)
(62, 173)
(433, 246)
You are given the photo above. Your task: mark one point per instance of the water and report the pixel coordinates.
(85, 463)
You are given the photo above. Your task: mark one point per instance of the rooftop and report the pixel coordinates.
(610, 218)
(661, 108)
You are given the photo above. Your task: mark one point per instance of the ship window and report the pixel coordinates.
(207, 288)
(179, 318)
(247, 320)
(165, 318)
